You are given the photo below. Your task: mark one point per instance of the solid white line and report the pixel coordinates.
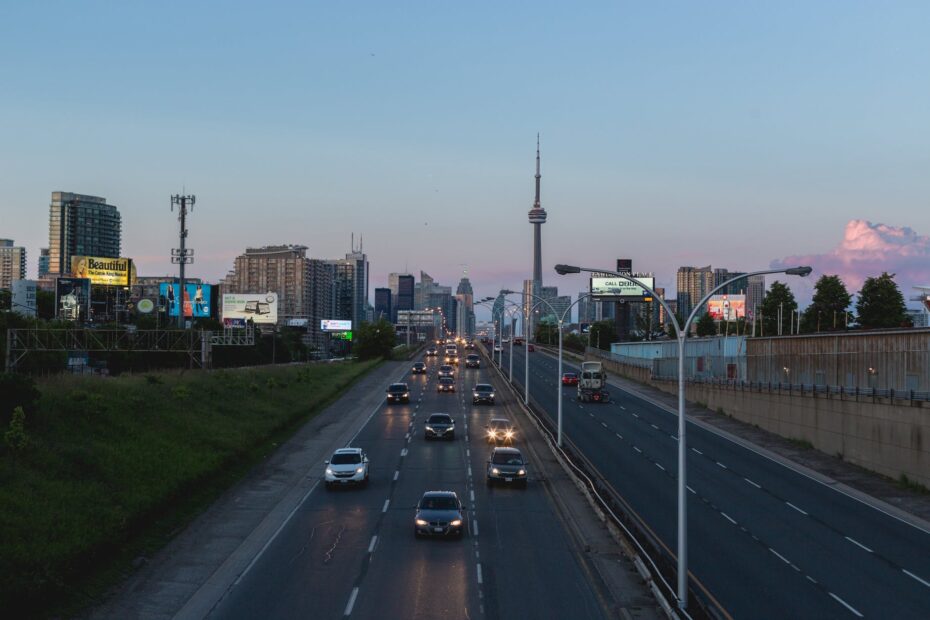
(637, 449)
(845, 604)
(758, 486)
(474, 523)
(780, 556)
(396, 473)
(387, 503)
(472, 496)
(721, 464)
(858, 544)
(479, 574)
(698, 451)
(913, 576)
(660, 467)
(371, 545)
(348, 611)
(728, 518)
(796, 508)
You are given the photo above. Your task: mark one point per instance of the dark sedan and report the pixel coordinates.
(506, 465)
(439, 426)
(483, 393)
(419, 368)
(439, 513)
(398, 393)
(446, 384)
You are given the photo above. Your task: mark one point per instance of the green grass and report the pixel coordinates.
(912, 485)
(115, 465)
(803, 444)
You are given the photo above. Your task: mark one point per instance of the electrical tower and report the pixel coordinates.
(182, 255)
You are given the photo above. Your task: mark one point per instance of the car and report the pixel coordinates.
(439, 426)
(446, 371)
(506, 465)
(499, 430)
(451, 358)
(498, 348)
(569, 378)
(346, 466)
(439, 513)
(470, 345)
(432, 352)
(505, 340)
(398, 393)
(483, 393)
(445, 384)
(472, 361)
(419, 368)
(518, 341)
(530, 348)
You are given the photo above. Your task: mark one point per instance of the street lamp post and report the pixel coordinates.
(682, 332)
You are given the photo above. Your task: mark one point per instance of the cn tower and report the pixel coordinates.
(537, 217)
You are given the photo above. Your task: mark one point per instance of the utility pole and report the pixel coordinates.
(182, 255)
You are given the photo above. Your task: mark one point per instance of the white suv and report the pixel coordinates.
(347, 466)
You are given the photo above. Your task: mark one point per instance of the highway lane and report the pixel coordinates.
(765, 540)
(352, 551)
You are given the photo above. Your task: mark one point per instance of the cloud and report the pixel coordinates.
(867, 250)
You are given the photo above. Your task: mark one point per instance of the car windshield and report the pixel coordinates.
(498, 424)
(418, 365)
(438, 503)
(440, 418)
(507, 458)
(398, 387)
(446, 380)
(346, 459)
(570, 375)
(445, 368)
(484, 388)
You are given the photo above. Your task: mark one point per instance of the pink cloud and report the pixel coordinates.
(868, 249)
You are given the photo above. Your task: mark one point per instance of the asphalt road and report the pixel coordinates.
(352, 552)
(764, 540)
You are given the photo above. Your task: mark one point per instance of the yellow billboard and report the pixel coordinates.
(101, 270)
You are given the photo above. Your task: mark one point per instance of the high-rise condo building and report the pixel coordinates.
(80, 225)
(12, 263)
(693, 284)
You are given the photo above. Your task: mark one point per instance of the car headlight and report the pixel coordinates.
(522, 472)
(421, 522)
(491, 434)
(359, 470)
(495, 471)
(491, 394)
(429, 428)
(456, 523)
(329, 471)
(508, 434)
(476, 394)
(406, 394)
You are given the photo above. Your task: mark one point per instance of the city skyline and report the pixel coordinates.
(732, 136)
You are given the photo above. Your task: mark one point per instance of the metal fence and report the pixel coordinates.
(803, 389)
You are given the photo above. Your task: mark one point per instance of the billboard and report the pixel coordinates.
(72, 299)
(196, 299)
(260, 307)
(727, 307)
(621, 288)
(335, 325)
(106, 271)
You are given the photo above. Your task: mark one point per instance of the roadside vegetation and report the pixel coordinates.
(97, 471)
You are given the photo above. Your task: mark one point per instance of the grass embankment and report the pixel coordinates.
(113, 466)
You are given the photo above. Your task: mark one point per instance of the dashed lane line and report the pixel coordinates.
(637, 449)
(403, 452)
(845, 604)
(396, 474)
(474, 523)
(659, 466)
(858, 544)
(351, 603)
(480, 581)
(387, 503)
(728, 517)
(721, 464)
(913, 576)
(371, 545)
(755, 484)
(798, 509)
(698, 451)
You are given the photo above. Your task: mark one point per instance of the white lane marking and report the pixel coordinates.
(858, 544)
(590, 414)
(811, 579)
(660, 467)
(673, 438)
(654, 426)
(622, 407)
(387, 503)
(619, 436)
(371, 545)
(479, 574)
(469, 471)
(796, 508)
(755, 484)
(604, 424)
(698, 451)
(913, 576)
(692, 490)
(472, 492)
(728, 518)
(403, 452)
(467, 452)
(845, 604)
(407, 436)
(637, 449)
(396, 473)
(780, 556)
(721, 464)
(351, 604)
(635, 416)
(474, 522)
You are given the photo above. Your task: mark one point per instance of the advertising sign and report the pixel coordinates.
(727, 307)
(334, 325)
(621, 288)
(297, 322)
(145, 306)
(262, 308)
(106, 271)
(196, 299)
(72, 299)
(234, 323)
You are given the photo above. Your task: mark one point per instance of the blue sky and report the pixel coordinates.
(731, 134)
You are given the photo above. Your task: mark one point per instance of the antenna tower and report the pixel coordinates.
(182, 255)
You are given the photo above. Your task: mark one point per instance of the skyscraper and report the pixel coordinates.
(80, 225)
(693, 283)
(350, 286)
(465, 313)
(12, 263)
(43, 262)
(537, 217)
(383, 306)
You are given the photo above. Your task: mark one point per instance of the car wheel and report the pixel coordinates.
(452, 436)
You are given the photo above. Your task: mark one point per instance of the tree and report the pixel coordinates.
(706, 326)
(881, 304)
(45, 304)
(374, 340)
(602, 334)
(827, 311)
(670, 326)
(778, 303)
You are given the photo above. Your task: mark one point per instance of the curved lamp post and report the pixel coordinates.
(682, 332)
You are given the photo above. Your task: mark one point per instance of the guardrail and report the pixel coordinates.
(624, 518)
